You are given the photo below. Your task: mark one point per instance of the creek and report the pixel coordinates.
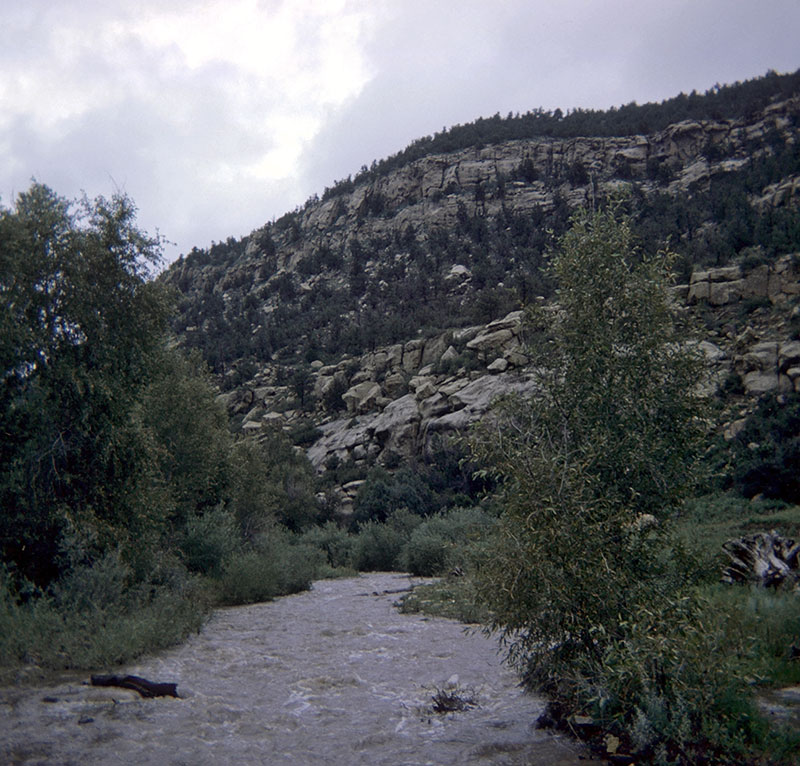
(335, 675)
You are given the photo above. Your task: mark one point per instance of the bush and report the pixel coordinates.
(98, 586)
(301, 565)
(334, 541)
(274, 567)
(659, 690)
(766, 452)
(441, 543)
(377, 548)
(250, 577)
(593, 605)
(208, 541)
(427, 553)
(304, 433)
(106, 625)
(382, 493)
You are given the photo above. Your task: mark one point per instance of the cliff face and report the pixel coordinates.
(525, 177)
(401, 401)
(357, 313)
(428, 191)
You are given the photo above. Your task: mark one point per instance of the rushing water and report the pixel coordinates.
(332, 676)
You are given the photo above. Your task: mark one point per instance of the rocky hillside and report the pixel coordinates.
(385, 315)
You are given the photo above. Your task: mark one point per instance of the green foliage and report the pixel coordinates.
(446, 478)
(760, 627)
(441, 543)
(382, 493)
(304, 433)
(656, 689)
(455, 598)
(334, 541)
(765, 454)
(208, 540)
(120, 474)
(378, 547)
(288, 483)
(79, 324)
(301, 565)
(301, 384)
(593, 467)
(332, 398)
(272, 567)
(92, 620)
(188, 432)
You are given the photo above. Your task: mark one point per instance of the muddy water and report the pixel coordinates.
(332, 676)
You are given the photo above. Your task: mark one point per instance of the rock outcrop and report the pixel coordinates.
(408, 229)
(775, 282)
(400, 399)
(431, 194)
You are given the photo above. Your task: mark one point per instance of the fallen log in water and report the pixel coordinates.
(765, 558)
(142, 685)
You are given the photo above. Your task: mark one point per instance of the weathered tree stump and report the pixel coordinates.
(142, 685)
(765, 558)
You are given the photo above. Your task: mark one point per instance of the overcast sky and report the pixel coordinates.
(216, 116)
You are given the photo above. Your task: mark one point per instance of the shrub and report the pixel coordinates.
(250, 577)
(591, 604)
(377, 548)
(332, 398)
(304, 433)
(427, 553)
(766, 452)
(100, 585)
(208, 541)
(273, 567)
(100, 628)
(442, 542)
(382, 493)
(334, 541)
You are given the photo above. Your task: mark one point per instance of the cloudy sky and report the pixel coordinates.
(216, 116)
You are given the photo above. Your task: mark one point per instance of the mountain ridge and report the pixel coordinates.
(449, 242)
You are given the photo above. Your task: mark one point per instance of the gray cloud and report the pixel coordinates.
(212, 148)
(445, 63)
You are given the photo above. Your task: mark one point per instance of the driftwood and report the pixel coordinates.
(764, 558)
(142, 685)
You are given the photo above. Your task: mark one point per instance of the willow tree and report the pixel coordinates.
(79, 322)
(594, 463)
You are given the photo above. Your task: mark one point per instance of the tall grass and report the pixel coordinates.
(92, 621)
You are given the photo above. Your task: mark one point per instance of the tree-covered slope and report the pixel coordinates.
(454, 230)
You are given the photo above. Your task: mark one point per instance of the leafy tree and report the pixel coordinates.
(191, 441)
(383, 493)
(79, 322)
(286, 482)
(302, 380)
(766, 453)
(593, 464)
